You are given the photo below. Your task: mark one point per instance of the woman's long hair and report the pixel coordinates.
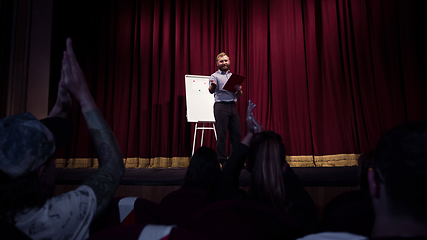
(265, 162)
(203, 171)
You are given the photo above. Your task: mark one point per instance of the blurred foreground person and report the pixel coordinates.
(397, 184)
(27, 164)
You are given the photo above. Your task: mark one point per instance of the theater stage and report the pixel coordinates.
(309, 177)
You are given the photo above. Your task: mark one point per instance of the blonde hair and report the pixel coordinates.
(221, 55)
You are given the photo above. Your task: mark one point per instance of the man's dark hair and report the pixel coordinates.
(203, 171)
(401, 165)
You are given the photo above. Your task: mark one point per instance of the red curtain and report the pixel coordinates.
(329, 76)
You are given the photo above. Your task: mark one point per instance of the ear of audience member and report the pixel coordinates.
(364, 162)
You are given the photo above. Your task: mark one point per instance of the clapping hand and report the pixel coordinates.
(252, 124)
(63, 101)
(75, 80)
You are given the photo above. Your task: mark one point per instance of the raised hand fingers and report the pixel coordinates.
(69, 45)
(258, 127)
(63, 99)
(74, 64)
(66, 70)
(250, 108)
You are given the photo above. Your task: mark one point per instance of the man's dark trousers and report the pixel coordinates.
(226, 118)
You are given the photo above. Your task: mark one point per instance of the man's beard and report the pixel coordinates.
(224, 68)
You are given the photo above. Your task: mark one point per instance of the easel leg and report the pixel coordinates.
(194, 140)
(213, 126)
(203, 132)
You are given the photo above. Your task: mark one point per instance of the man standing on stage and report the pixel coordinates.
(226, 116)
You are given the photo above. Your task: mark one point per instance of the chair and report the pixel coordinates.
(127, 211)
(180, 206)
(244, 219)
(349, 212)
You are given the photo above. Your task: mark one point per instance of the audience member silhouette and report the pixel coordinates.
(397, 184)
(273, 180)
(203, 171)
(200, 180)
(27, 164)
(352, 211)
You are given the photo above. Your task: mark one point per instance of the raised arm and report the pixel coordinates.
(228, 183)
(252, 125)
(106, 179)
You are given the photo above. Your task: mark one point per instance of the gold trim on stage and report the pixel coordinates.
(337, 160)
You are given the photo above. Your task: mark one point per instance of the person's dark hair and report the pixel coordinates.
(401, 165)
(203, 171)
(265, 161)
(364, 162)
(18, 194)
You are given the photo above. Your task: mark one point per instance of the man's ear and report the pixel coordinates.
(42, 172)
(373, 183)
(285, 166)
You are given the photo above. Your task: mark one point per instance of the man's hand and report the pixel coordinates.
(252, 125)
(212, 86)
(238, 89)
(63, 101)
(75, 79)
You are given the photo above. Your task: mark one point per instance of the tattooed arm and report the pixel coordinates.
(111, 168)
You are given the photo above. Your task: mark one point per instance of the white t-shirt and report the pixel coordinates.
(67, 216)
(333, 236)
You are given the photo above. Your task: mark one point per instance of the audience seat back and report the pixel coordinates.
(127, 211)
(349, 212)
(180, 206)
(244, 219)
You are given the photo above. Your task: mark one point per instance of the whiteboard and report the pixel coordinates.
(199, 100)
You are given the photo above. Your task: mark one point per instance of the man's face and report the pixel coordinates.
(223, 63)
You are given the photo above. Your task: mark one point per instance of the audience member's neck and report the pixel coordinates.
(401, 226)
